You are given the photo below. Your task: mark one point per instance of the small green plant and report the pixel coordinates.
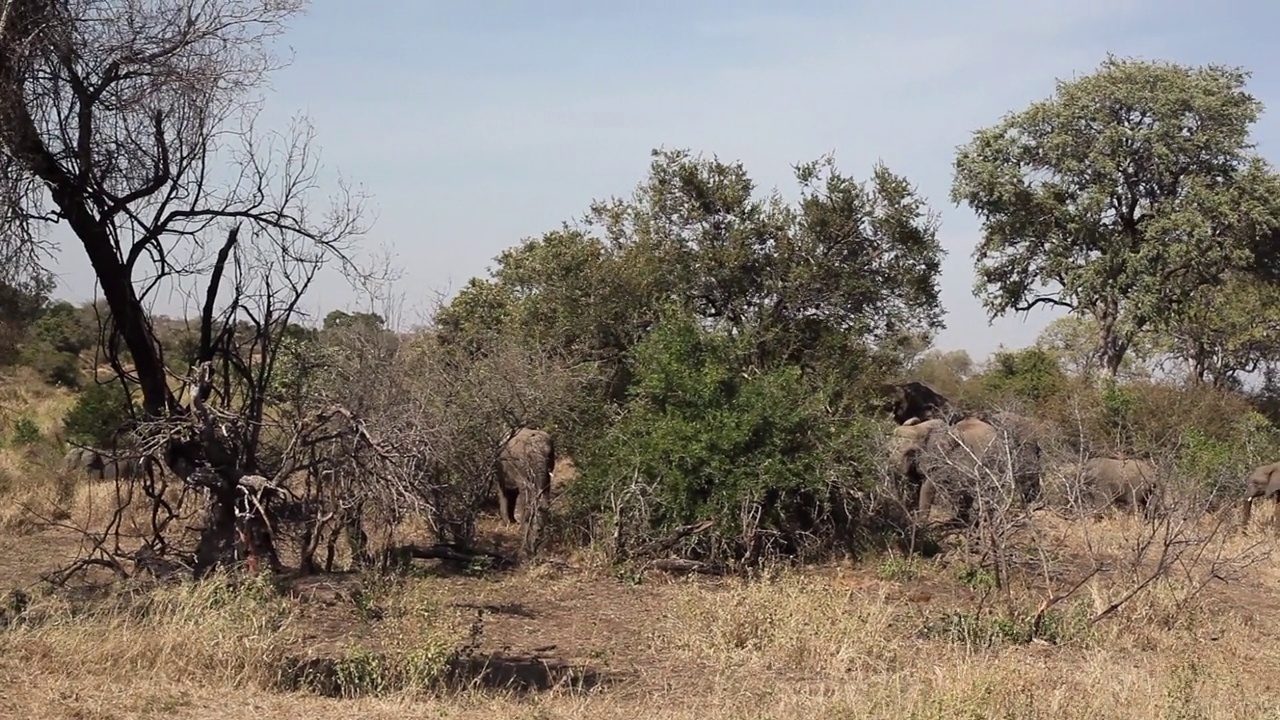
(25, 432)
(899, 568)
(976, 578)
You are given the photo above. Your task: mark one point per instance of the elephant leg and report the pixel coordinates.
(1149, 506)
(925, 502)
(507, 497)
(1275, 514)
(964, 508)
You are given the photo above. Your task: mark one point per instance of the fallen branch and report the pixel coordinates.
(665, 544)
(450, 552)
(678, 565)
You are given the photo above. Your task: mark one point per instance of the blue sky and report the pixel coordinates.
(476, 124)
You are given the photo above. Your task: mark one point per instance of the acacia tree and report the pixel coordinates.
(133, 122)
(1119, 196)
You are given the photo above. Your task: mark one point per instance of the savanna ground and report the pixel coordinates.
(886, 636)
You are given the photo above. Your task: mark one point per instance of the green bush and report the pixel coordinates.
(62, 328)
(100, 412)
(1032, 375)
(709, 439)
(1219, 464)
(25, 432)
(56, 367)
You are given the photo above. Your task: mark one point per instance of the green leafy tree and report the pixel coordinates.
(343, 319)
(1120, 196)
(943, 370)
(1072, 341)
(62, 328)
(21, 303)
(1226, 331)
(830, 283)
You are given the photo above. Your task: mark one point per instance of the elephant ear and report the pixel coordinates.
(1273, 478)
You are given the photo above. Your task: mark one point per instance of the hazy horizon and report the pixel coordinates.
(473, 129)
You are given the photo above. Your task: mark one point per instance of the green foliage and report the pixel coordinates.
(299, 360)
(1225, 331)
(833, 283)
(340, 319)
(1118, 404)
(1219, 462)
(710, 441)
(1120, 196)
(20, 305)
(1072, 340)
(55, 367)
(98, 414)
(62, 328)
(1030, 374)
(25, 432)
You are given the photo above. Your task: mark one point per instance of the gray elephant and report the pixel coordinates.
(102, 466)
(933, 456)
(1125, 483)
(524, 468)
(1263, 482)
(84, 460)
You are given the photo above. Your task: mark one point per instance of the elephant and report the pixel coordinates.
(1263, 482)
(925, 453)
(85, 460)
(524, 467)
(102, 466)
(1126, 483)
(914, 400)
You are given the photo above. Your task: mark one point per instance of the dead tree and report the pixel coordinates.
(121, 121)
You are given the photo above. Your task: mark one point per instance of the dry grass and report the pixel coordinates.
(26, 479)
(884, 638)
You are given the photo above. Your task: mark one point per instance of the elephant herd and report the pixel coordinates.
(935, 449)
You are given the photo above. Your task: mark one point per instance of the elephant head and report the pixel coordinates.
(1263, 482)
(84, 460)
(914, 400)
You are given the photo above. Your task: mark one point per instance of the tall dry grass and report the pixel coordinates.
(793, 645)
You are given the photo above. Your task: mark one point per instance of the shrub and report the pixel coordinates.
(61, 327)
(25, 432)
(55, 366)
(702, 438)
(98, 415)
(1032, 375)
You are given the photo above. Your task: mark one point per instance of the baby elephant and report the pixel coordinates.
(1263, 482)
(1129, 484)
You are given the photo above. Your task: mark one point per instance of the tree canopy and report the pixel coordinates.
(848, 270)
(1120, 196)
